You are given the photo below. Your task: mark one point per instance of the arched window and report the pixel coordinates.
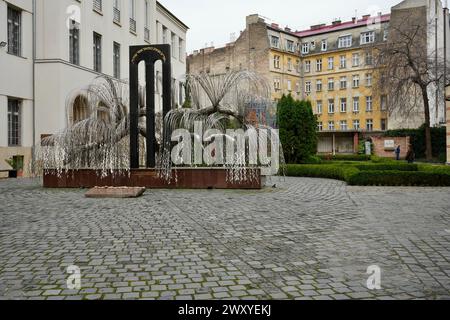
(80, 109)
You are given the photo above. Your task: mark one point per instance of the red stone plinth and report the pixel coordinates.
(115, 192)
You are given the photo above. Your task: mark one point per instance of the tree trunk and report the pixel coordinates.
(428, 145)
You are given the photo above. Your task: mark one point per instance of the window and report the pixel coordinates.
(356, 81)
(330, 84)
(14, 31)
(297, 66)
(331, 106)
(98, 6)
(368, 79)
(275, 42)
(308, 86)
(356, 125)
(276, 62)
(116, 11)
(319, 85)
(289, 85)
(290, 46)
(369, 104)
(331, 63)
(14, 123)
(174, 44)
(319, 65)
(345, 41)
(97, 52)
(277, 84)
(356, 104)
(369, 58)
(368, 37)
(297, 87)
(320, 126)
(331, 125)
(343, 83)
(74, 42)
(343, 62)
(307, 66)
(324, 46)
(369, 125)
(355, 60)
(289, 64)
(383, 124)
(343, 105)
(147, 14)
(319, 107)
(383, 102)
(343, 125)
(116, 60)
(305, 48)
(385, 34)
(133, 16)
(164, 35)
(181, 49)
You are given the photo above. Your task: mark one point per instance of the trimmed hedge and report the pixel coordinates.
(398, 178)
(345, 157)
(321, 171)
(375, 174)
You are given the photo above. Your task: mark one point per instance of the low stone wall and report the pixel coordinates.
(381, 150)
(189, 178)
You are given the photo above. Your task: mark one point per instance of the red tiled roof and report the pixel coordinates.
(342, 26)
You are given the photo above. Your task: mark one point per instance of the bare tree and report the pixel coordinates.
(408, 70)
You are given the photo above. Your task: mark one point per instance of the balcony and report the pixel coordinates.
(132, 25)
(146, 34)
(116, 17)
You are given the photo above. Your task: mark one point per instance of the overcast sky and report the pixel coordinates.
(215, 20)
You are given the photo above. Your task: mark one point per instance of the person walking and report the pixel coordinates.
(398, 151)
(410, 156)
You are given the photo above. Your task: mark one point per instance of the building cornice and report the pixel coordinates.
(171, 16)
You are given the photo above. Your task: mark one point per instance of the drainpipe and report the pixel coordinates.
(33, 156)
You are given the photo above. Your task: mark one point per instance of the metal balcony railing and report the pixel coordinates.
(132, 25)
(116, 15)
(146, 34)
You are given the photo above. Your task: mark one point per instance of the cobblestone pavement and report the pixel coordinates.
(306, 239)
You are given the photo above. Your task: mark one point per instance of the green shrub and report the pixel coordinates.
(388, 167)
(434, 169)
(398, 178)
(311, 160)
(345, 157)
(321, 171)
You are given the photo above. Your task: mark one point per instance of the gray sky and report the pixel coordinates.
(215, 20)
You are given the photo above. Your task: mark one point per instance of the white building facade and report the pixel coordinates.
(75, 42)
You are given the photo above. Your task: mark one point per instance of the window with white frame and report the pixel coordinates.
(343, 62)
(98, 5)
(331, 106)
(14, 31)
(330, 63)
(356, 79)
(133, 16)
(343, 125)
(290, 46)
(331, 125)
(277, 84)
(320, 126)
(319, 85)
(14, 123)
(319, 65)
(343, 83)
(343, 105)
(116, 11)
(74, 42)
(97, 44)
(324, 46)
(367, 37)
(356, 104)
(369, 125)
(289, 64)
(345, 41)
(307, 66)
(368, 79)
(276, 62)
(355, 60)
(305, 48)
(319, 108)
(275, 42)
(330, 84)
(308, 86)
(369, 104)
(289, 85)
(116, 60)
(369, 58)
(356, 124)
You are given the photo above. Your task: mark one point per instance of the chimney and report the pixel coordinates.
(354, 19)
(336, 22)
(366, 17)
(275, 26)
(317, 26)
(287, 29)
(252, 19)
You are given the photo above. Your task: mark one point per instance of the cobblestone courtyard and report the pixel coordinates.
(306, 239)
